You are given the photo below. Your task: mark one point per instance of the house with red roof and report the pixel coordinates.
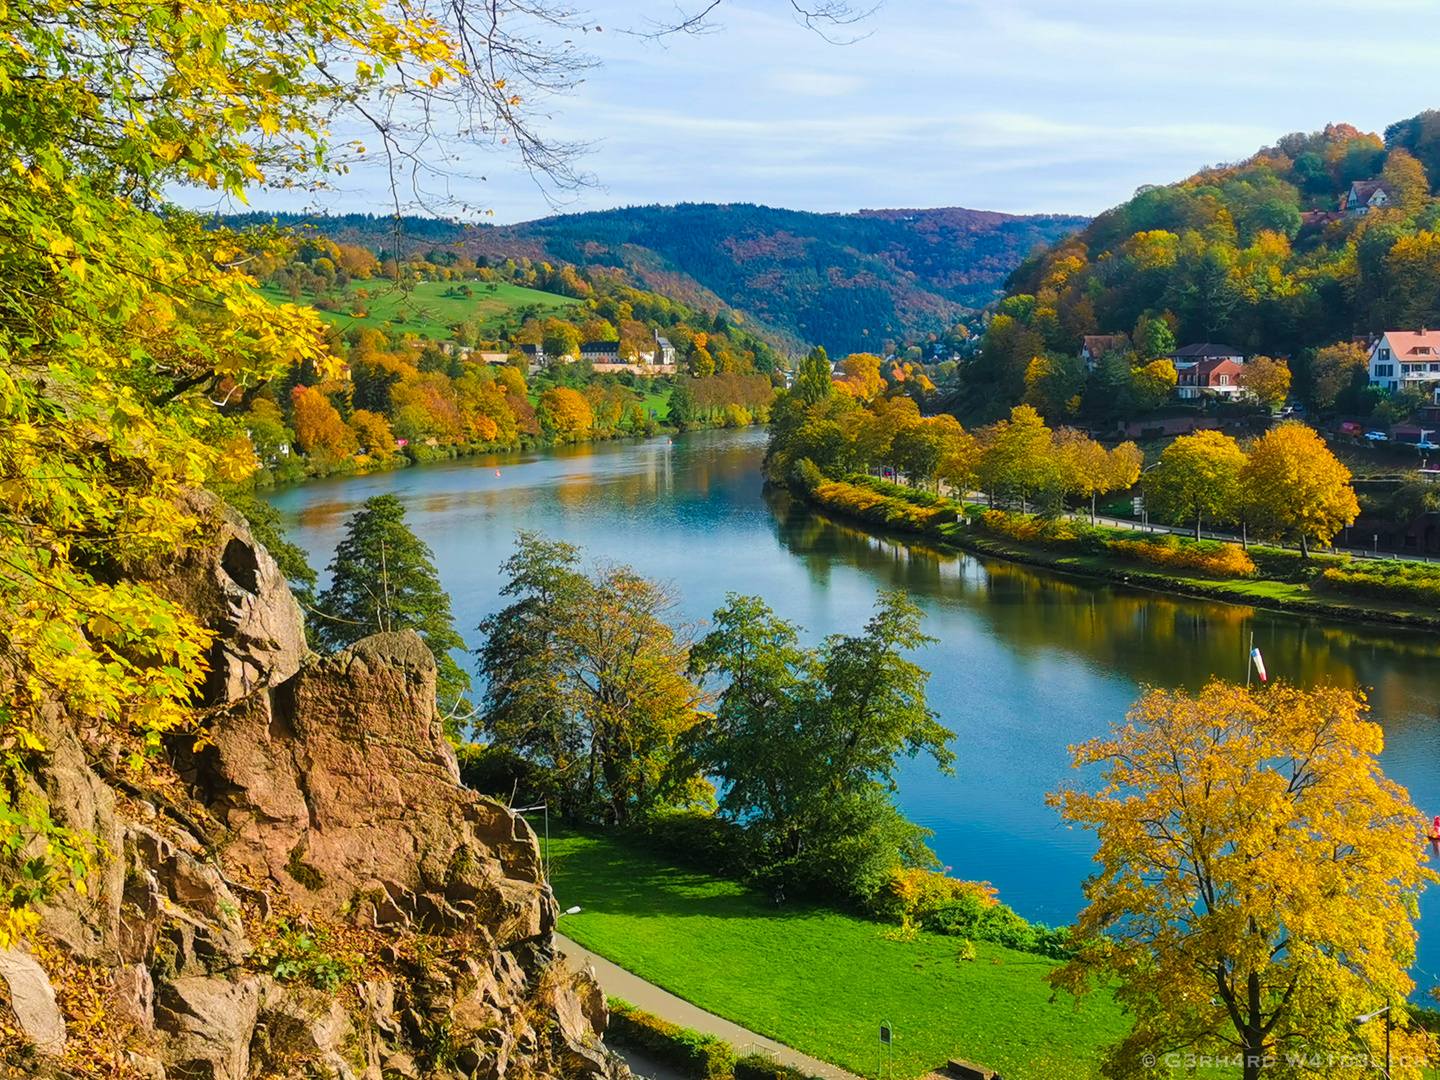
(1406, 358)
(1216, 376)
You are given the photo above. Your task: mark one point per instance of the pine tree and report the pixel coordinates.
(382, 580)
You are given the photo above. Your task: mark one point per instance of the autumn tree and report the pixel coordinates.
(1197, 478)
(1268, 380)
(1256, 878)
(1152, 384)
(318, 427)
(1335, 368)
(862, 378)
(382, 580)
(586, 675)
(1296, 488)
(372, 432)
(1016, 460)
(807, 742)
(1082, 466)
(565, 411)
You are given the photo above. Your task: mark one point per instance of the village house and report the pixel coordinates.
(1406, 358)
(1217, 376)
(1367, 195)
(600, 352)
(1191, 355)
(1096, 346)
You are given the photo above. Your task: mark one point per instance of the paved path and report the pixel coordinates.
(620, 983)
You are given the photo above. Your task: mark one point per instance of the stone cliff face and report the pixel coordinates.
(313, 895)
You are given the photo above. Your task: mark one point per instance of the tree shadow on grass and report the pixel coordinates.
(605, 877)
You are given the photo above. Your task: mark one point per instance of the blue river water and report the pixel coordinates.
(1027, 662)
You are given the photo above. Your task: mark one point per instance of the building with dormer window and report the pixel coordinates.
(1406, 358)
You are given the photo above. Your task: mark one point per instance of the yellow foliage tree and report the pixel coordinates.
(862, 378)
(566, 411)
(1334, 368)
(1198, 478)
(1152, 384)
(318, 427)
(1267, 379)
(373, 434)
(1016, 461)
(1256, 880)
(1296, 488)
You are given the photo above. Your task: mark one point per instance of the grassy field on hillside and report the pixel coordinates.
(821, 981)
(427, 311)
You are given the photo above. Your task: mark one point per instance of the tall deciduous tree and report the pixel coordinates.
(586, 675)
(1267, 379)
(382, 580)
(1256, 878)
(1017, 459)
(806, 741)
(1335, 368)
(814, 380)
(1296, 488)
(1197, 479)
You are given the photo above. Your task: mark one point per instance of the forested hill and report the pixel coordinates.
(1258, 255)
(847, 281)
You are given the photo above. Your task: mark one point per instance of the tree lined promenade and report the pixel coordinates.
(1285, 485)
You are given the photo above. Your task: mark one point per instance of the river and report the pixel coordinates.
(1027, 663)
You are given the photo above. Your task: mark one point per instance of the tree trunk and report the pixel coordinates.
(1244, 536)
(1304, 545)
(1092, 508)
(1197, 526)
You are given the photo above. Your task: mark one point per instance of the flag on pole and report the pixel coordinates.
(1259, 664)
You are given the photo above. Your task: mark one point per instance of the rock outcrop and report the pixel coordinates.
(317, 895)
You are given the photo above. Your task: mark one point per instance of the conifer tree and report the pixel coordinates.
(382, 580)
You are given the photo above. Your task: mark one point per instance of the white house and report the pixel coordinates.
(1367, 195)
(1404, 358)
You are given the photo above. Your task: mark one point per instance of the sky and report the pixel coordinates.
(1022, 106)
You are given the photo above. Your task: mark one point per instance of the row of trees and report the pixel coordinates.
(830, 424)
(591, 676)
(618, 710)
(1285, 485)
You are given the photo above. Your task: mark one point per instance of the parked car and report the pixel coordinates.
(1349, 427)
(1427, 445)
(1377, 436)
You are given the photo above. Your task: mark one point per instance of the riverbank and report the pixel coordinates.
(821, 981)
(1259, 576)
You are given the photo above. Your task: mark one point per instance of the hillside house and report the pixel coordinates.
(1096, 346)
(1367, 195)
(1216, 376)
(1191, 355)
(664, 352)
(1406, 358)
(600, 352)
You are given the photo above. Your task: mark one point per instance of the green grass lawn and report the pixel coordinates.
(427, 311)
(821, 981)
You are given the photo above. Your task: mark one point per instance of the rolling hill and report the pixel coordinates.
(846, 281)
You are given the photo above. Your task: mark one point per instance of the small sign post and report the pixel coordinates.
(887, 1041)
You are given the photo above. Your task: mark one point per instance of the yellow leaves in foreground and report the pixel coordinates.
(1256, 874)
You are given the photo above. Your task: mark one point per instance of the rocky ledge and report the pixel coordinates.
(313, 894)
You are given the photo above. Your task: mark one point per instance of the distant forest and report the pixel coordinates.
(850, 282)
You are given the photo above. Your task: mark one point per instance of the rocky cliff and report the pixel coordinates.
(302, 888)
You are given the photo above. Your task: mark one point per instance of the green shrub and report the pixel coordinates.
(701, 1057)
(1277, 564)
(969, 916)
(1384, 580)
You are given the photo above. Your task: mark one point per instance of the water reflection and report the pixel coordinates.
(1028, 662)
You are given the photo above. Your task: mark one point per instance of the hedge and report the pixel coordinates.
(701, 1057)
(1416, 583)
(760, 1067)
(892, 511)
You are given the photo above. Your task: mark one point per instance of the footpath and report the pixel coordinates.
(617, 982)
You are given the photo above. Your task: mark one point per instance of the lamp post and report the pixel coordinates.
(1365, 1019)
